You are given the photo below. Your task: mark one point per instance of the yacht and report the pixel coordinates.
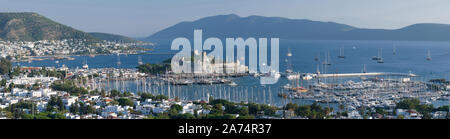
(378, 57)
(232, 84)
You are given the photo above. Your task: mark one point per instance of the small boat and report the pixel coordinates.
(275, 74)
(378, 57)
(299, 89)
(394, 51)
(327, 60)
(428, 55)
(140, 60)
(380, 60)
(288, 71)
(232, 84)
(118, 59)
(307, 77)
(287, 86)
(85, 66)
(293, 76)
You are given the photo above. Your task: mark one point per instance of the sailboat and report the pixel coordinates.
(297, 88)
(394, 51)
(140, 60)
(428, 55)
(341, 53)
(118, 60)
(289, 60)
(364, 69)
(85, 66)
(327, 59)
(380, 58)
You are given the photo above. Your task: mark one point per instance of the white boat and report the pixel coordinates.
(307, 77)
(140, 60)
(287, 86)
(293, 76)
(232, 84)
(85, 66)
(275, 74)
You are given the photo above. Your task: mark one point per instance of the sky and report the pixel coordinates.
(141, 18)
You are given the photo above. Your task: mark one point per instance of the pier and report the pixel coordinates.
(364, 74)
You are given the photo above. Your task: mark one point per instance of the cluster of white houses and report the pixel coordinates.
(20, 49)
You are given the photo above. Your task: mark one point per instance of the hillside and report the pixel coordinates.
(29, 26)
(32, 27)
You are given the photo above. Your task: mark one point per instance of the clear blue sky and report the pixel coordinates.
(140, 18)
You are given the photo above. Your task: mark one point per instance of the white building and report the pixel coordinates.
(36, 94)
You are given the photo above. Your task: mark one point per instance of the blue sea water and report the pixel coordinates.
(410, 56)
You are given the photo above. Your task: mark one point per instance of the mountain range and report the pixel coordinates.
(232, 25)
(28, 26)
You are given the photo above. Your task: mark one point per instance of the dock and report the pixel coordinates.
(365, 74)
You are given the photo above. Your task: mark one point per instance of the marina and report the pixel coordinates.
(306, 87)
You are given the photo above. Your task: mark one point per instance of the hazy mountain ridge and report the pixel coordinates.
(112, 37)
(259, 26)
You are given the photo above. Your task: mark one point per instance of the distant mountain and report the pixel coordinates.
(112, 37)
(223, 26)
(29, 26)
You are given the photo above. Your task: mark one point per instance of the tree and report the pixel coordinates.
(304, 111)
(74, 108)
(175, 109)
(145, 96)
(3, 83)
(246, 117)
(243, 111)
(410, 103)
(217, 109)
(183, 116)
(253, 108)
(125, 102)
(60, 104)
(291, 106)
(5, 66)
(153, 69)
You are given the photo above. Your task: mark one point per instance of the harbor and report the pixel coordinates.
(329, 77)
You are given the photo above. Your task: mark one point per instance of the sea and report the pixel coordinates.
(398, 57)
